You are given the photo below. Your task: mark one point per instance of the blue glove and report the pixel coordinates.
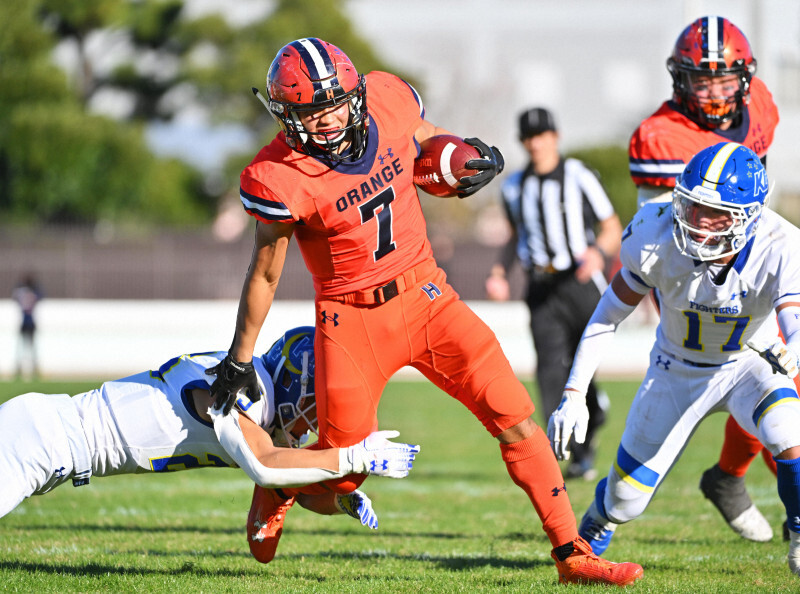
(357, 505)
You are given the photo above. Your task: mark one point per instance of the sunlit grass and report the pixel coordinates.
(457, 524)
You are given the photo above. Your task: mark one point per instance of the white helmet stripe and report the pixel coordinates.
(711, 176)
(319, 61)
(714, 41)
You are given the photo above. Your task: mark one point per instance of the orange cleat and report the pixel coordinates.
(584, 567)
(265, 522)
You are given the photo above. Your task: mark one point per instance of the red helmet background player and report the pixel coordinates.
(712, 49)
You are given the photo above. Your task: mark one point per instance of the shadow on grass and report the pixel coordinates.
(534, 536)
(163, 529)
(454, 563)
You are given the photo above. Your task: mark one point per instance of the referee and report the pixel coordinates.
(564, 232)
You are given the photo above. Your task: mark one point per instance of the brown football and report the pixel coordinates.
(441, 163)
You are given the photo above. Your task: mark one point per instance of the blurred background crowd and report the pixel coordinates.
(126, 123)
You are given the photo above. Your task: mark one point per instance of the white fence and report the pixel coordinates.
(109, 339)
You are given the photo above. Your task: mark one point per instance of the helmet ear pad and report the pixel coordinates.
(718, 201)
(290, 363)
(309, 75)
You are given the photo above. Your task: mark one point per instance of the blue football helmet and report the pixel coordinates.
(290, 362)
(718, 200)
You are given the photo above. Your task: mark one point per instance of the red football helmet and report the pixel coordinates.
(711, 47)
(311, 74)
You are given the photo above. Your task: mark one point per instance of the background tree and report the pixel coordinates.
(66, 159)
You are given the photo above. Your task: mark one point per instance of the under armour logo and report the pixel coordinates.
(741, 294)
(557, 490)
(665, 362)
(431, 290)
(379, 465)
(325, 318)
(662, 210)
(389, 155)
(59, 472)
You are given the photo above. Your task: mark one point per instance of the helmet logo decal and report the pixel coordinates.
(762, 185)
(288, 347)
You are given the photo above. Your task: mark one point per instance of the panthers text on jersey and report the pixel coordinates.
(705, 318)
(358, 224)
(663, 143)
(147, 422)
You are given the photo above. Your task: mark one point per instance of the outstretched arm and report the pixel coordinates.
(235, 372)
(572, 415)
(269, 466)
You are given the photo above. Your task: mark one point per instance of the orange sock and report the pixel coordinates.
(533, 467)
(769, 461)
(738, 449)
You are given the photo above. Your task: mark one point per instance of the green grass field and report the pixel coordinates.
(457, 524)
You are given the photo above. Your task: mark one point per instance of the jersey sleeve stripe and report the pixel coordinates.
(641, 286)
(270, 210)
(418, 99)
(656, 168)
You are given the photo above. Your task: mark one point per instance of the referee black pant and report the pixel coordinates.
(560, 308)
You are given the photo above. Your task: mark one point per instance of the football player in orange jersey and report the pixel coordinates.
(717, 97)
(338, 176)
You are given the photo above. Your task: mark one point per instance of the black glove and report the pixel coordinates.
(232, 376)
(490, 164)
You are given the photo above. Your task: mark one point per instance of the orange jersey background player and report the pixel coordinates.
(338, 177)
(716, 98)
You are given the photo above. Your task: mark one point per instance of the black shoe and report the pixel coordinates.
(729, 495)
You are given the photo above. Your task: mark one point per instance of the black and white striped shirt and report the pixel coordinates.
(554, 215)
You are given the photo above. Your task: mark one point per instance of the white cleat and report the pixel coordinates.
(794, 552)
(750, 524)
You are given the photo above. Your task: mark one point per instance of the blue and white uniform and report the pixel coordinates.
(699, 363)
(143, 423)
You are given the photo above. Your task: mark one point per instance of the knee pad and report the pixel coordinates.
(776, 419)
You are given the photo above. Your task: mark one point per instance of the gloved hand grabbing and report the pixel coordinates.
(232, 377)
(781, 358)
(377, 455)
(489, 165)
(357, 505)
(571, 417)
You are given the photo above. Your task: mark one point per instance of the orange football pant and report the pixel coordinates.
(358, 348)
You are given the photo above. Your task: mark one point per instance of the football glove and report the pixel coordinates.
(570, 418)
(357, 505)
(232, 377)
(379, 456)
(489, 165)
(781, 358)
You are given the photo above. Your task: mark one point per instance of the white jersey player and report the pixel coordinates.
(163, 420)
(722, 266)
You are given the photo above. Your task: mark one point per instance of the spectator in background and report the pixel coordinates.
(564, 232)
(27, 295)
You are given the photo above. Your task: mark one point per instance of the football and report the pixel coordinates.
(441, 163)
